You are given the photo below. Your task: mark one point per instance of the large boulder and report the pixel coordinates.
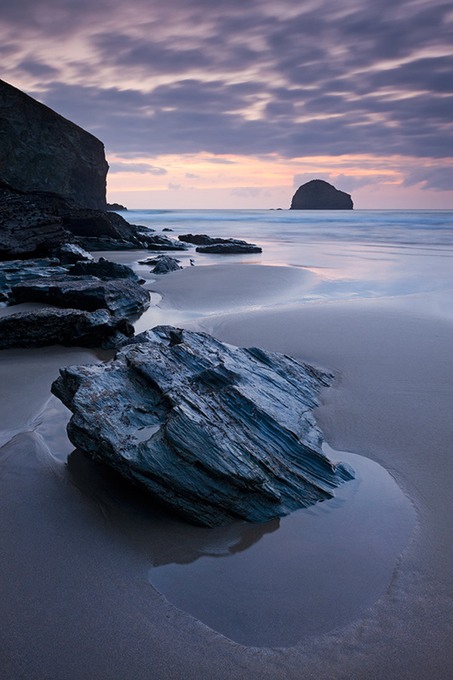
(214, 432)
(41, 150)
(320, 195)
(69, 327)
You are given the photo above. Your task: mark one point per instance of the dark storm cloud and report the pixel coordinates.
(294, 78)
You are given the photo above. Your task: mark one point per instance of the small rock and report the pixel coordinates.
(162, 264)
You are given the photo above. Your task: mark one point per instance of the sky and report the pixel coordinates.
(234, 104)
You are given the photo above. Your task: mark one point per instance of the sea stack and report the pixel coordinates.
(320, 195)
(42, 151)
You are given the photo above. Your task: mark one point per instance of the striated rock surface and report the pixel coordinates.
(42, 151)
(69, 327)
(320, 195)
(122, 297)
(213, 431)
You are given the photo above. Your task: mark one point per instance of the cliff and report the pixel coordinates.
(320, 195)
(42, 151)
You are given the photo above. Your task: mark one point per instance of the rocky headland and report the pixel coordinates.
(320, 195)
(42, 151)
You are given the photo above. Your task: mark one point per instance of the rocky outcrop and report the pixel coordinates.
(69, 327)
(158, 242)
(214, 432)
(320, 195)
(232, 245)
(122, 297)
(42, 151)
(162, 264)
(37, 224)
(30, 224)
(116, 206)
(222, 246)
(104, 269)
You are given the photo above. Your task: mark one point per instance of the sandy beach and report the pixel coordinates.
(76, 593)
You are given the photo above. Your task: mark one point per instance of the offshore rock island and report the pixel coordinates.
(212, 431)
(320, 195)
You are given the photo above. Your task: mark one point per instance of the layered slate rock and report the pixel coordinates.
(122, 297)
(214, 432)
(69, 327)
(41, 150)
(320, 195)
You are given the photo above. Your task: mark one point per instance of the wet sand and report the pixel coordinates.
(75, 597)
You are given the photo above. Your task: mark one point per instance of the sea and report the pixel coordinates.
(356, 254)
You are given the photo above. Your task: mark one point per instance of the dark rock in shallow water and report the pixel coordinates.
(123, 298)
(223, 246)
(158, 242)
(213, 431)
(69, 327)
(162, 264)
(41, 150)
(320, 195)
(231, 248)
(200, 239)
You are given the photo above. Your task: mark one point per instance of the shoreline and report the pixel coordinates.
(391, 402)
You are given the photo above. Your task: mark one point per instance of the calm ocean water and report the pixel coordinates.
(360, 253)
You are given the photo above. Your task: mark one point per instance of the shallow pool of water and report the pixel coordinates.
(303, 574)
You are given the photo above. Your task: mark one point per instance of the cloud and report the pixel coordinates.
(118, 166)
(292, 79)
(437, 179)
(38, 69)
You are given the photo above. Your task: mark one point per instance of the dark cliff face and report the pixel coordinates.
(42, 151)
(320, 195)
